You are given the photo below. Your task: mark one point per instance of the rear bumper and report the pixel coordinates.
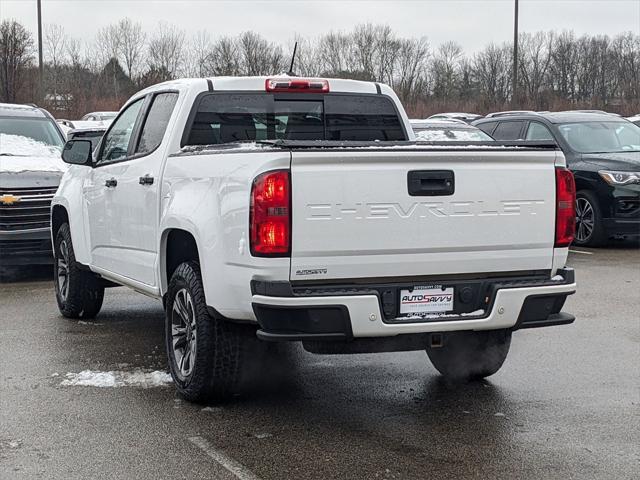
(27, 247)
(338, 317)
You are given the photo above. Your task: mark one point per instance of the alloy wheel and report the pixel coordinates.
(585, 219)
(62, 269)
(183, 333)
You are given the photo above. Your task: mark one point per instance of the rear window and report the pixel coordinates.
(226, 118)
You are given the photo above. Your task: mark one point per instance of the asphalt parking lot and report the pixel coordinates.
(565, 405)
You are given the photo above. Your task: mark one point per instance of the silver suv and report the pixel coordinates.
(30, 171)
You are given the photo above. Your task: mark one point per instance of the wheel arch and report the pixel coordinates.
(177, 245)
(59, 216)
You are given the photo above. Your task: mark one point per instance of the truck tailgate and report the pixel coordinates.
(470, 212)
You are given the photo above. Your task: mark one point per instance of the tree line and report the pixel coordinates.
(557, 70)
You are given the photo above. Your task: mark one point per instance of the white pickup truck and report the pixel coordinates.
(290, 209)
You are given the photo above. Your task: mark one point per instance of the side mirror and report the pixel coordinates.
(77, 152)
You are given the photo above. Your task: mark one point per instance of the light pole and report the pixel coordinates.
(40, 64)
(514, 87)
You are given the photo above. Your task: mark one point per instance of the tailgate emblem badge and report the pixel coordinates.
(312, 271)
(9, 199)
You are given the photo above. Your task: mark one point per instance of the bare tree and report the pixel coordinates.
(224, 59)
(55, 47)
(258, 56)
(131, 43)
(198, 53)
(445, 69)
(165, 51)
(333, 52)
(16, 45)
(411, 80)
(492, 73)
(534, 63)
(107, 45)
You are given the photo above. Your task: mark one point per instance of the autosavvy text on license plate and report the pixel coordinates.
(432, 299)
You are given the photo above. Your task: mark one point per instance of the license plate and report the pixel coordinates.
(433, 299)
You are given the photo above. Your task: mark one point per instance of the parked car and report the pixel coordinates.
(603, 152)
(447, 131)
(100, 116)
(68, 125)
(92, 133)
(30, 171)
(635, 119)
(465, 117)
(291, 209)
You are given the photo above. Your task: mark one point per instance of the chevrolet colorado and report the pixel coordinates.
(290, 209)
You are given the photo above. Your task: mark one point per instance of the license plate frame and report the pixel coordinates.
(426, 300)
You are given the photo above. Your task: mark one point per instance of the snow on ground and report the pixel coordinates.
(22, 154)
(137, 378)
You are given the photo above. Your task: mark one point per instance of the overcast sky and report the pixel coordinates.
(472, 23)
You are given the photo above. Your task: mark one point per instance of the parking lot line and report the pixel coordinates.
(240, 471)
(580, 251)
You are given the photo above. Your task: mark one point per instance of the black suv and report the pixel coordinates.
(602, 151)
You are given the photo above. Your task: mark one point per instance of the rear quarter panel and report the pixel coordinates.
(208, 196)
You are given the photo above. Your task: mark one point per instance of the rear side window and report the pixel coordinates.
(508, 130)
(226, 118)
(156, 122)
(487, 127)
(538, 131)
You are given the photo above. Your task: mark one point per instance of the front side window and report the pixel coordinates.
(156, 122)
(538, 131)
(602, 137)
(116, 141)
(227, 118)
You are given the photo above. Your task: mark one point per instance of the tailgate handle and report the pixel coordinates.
(430, 183)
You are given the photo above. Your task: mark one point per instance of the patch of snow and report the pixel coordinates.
(23, 154)
(137, 378)
(211, 409)
(452, 135)
(558, 278)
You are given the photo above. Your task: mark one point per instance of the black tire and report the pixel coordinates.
(590, 230)
(79, 292)
(219, 347)
(468, 356)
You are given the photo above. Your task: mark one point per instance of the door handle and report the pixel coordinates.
(430, 183)
(111, 183)
(146, 180)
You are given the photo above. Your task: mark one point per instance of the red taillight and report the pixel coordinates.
(565, 207)
(270, 216)
(294, 84)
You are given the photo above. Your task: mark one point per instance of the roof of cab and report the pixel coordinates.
(553, 117)
(258, 84)
(18, 110)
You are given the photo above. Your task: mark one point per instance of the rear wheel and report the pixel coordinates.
(471, 355)
(589, 226)
(79, 292)
(207, 356)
